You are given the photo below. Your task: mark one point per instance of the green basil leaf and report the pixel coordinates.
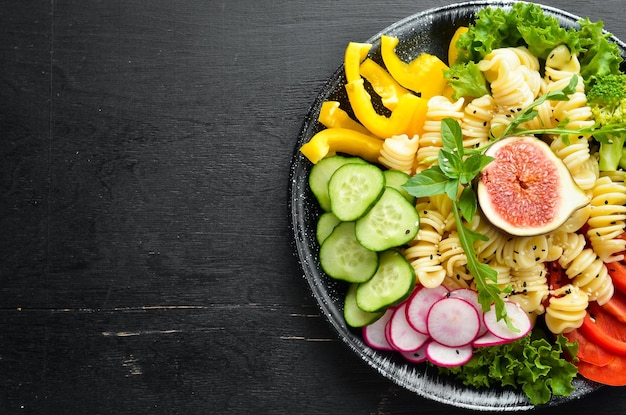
(429, 182)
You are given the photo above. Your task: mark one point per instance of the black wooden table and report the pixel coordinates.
(146, 263)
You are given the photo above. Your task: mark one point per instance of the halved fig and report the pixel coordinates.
(527, 190)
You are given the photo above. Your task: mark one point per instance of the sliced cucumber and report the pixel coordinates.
(321, 174)
(396, 179)
(392, 283)
(391, 222)
(354, 316)
(353, 189)
(325, 226)
(342, 257)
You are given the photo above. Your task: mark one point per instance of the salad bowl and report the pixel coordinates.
(429, 31)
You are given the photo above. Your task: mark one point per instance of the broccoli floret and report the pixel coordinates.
(607, 100)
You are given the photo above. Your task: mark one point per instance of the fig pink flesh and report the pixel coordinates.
(522, 174)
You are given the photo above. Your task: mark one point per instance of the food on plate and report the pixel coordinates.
(527, 190)
(475, 209)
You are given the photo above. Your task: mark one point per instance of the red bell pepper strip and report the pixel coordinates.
(588, 351)
(613, 374)
(604, 330)
(617, 271)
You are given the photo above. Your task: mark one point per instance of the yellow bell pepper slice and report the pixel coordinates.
(383, 83)
(453, 52)
(342, 140)
(354, 55)
(416, 125)
(378, 124)
(332, 116)
(423, 75)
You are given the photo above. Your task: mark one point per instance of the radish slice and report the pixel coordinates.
(374, 334)
(388, 332)
(518, 317)
(417, 356)
(401, 335)
(488, 339)
(471, 296)
(419, 304)
(453, 322)
(448, 356)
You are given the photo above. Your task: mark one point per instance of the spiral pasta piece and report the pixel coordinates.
(561, 64)
(566, 309)
(453, 256)
(572, 245)
(575, 111)
(439, 107)
(424, 259)
(399, 152)
(577, 158)
(587, 271)
(508, 79)
(607, 219)
(525, 252)
(442, 204)
(476, 121)
(423, 251)
(544, 118)
(495, 240)
(530, 287)
(456, 282)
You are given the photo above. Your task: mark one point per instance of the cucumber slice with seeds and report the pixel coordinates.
(342, 257)
(391, 222)
(322, 172)
(393, 282)
(353, 189)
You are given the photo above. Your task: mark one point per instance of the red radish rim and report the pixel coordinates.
(410, 356)
(499, 328)
(399, 318)
(489, 339)
(374, 334)
(467, 352)
(418, 320)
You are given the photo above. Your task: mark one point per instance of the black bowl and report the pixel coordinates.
(429, 31)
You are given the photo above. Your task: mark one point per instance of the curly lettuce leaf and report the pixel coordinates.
(466, 80)
(542, 32)
(600, 56)
(525, 24)
(531, 363)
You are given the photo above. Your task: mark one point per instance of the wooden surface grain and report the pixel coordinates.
(146, 262)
